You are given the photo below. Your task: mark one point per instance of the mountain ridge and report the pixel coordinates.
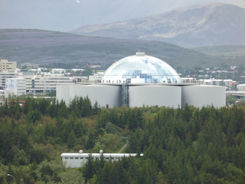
(206, 25)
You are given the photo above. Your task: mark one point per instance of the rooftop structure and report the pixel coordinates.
(140, 69)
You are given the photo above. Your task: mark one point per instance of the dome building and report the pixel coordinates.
(140, 69)
(142, 80)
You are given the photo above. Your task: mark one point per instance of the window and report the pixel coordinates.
(71, 157)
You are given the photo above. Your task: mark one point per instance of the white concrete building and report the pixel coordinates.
(15, 87)
(77, 160)
(4, 76)
(44, 84)
(7, 70)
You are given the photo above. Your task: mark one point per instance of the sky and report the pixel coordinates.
(67, 15)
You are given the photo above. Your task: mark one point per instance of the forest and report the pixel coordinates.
(187, 145)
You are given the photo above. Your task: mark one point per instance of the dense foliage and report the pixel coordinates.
(186, 145)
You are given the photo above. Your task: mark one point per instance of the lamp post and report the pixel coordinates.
(10, 175)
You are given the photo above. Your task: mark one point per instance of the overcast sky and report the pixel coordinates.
(67, 15)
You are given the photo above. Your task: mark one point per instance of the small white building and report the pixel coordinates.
(77, 160)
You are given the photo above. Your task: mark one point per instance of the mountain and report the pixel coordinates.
(213, 24)
(67, 15)
(47, 47)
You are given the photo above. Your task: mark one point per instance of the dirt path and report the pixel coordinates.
(123, 148)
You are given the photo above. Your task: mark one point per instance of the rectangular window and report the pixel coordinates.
(71, 157)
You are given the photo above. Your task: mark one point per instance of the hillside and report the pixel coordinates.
(213, 24)
(234, 53)
(223, 50)
(187, 145)
(46, 47)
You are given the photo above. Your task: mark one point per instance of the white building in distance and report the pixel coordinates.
(44, 84)
(7, 70)
(15, 87)
(7, 66)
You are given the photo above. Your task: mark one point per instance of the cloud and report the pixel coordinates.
(78, 1)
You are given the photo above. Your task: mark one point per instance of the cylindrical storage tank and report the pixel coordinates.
(155, 95)
(203, 95)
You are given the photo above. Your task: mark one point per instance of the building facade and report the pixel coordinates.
(45, 84)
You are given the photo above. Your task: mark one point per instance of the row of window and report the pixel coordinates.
(85, 158)
(119, 81)
(116, 82)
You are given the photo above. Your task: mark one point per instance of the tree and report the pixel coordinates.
(71, 141)
(88, 170)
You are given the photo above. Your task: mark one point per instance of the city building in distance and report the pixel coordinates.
(143, 80)
(7, 66)
(7, 70)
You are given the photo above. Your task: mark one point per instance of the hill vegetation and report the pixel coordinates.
(186, 145)
(68, 50)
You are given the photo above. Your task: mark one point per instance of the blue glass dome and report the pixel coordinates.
(139, 69)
